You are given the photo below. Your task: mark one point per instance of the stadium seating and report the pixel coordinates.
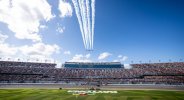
(152, 73)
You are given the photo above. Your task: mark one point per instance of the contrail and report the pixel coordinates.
(85, 23)
(76, 6)
(93, 18)
(89, 23)
(82, 11)
(86, 19)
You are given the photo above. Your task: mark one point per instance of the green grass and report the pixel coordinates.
(54, 94)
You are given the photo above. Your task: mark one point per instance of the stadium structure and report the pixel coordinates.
(91, 81)
(92, 65)
(100, 74)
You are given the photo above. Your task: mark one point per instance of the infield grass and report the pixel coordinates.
(54, 94)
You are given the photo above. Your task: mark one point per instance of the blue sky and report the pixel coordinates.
(125, 30)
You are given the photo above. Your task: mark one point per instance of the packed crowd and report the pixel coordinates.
(169, 73)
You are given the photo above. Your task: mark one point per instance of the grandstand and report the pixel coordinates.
(93, 65)
(106, 74)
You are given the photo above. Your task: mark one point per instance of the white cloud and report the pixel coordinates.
(59, 64)
(104, 55)
(23, 17)
(88, 55)
(65, 9)
(40, 50)
(124, 58)
(60, 29)
(127, 66)
(43, 26)
(6, 49)
(121, 58)
(115, 60)
(67, 52)
(3, 37)
(80, 58)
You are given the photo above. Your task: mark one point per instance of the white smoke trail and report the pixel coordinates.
(93, 18)
(86, 19)
(86, 24)
(76, 6)
(82, 11)
(89, 24)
